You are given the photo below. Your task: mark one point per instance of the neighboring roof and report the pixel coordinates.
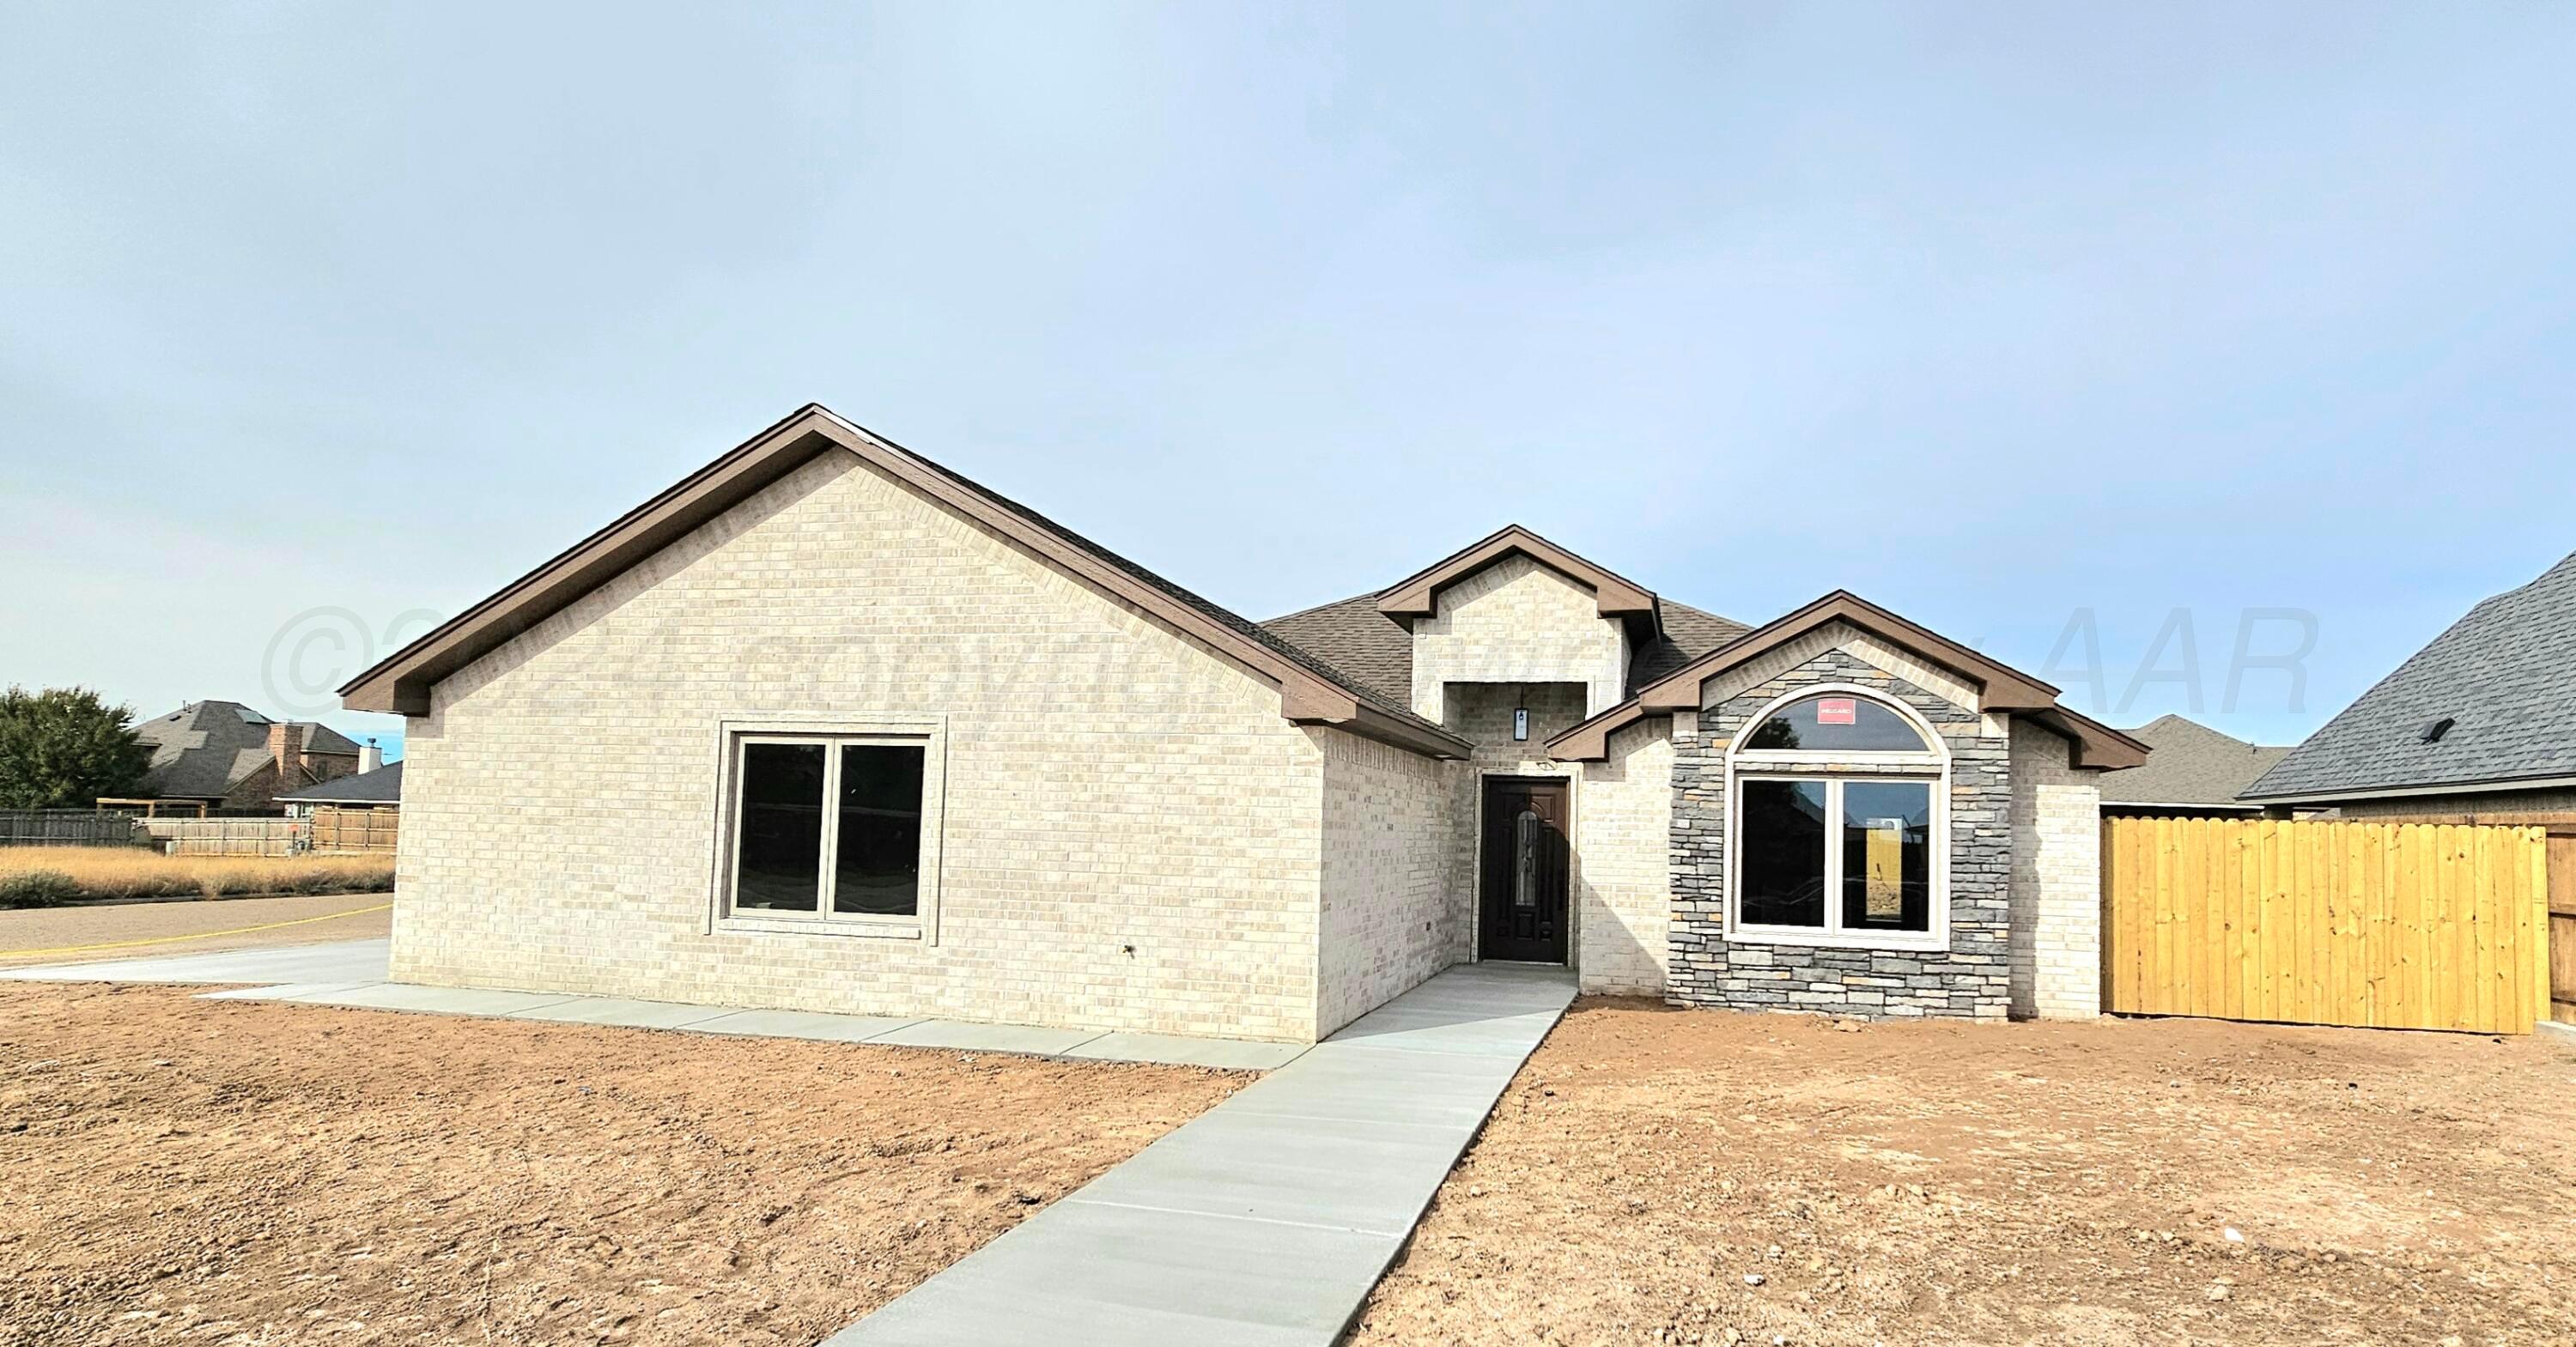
(204, 749)
(381, 786)
(1311, 690)
(1355, 635)
(2504, 675)
(321, 738)
(2000, 687)
(2192, 765)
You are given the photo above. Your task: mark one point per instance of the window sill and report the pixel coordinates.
(1889, 942)
(868, 930)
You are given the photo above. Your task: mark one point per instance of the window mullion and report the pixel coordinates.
(1833, 856)
(825, 899)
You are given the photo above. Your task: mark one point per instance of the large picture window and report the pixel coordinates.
(828, 827)
(1838, 826)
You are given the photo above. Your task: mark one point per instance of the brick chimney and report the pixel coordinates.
(286, 744)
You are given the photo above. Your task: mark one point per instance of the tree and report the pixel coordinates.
(65, 747)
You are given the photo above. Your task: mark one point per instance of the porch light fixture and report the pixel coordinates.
(1520, 720)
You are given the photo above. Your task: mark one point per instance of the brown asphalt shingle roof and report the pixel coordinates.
(1371, 649)
(2192, 765)
(1399, 706)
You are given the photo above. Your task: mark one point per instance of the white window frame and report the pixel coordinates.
(735, 736)
(1930, 768)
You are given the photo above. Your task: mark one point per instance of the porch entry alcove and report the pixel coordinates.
(1526, 866)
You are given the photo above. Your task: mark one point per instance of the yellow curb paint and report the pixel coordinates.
(201, 935)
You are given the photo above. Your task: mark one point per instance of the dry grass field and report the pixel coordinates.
(135, 872)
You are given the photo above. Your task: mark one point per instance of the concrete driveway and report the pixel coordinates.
(339, 961)
(129, 931)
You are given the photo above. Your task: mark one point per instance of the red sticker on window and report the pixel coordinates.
(1836, 711)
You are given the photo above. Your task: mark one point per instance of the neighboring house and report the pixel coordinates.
(380, 788)
(828, 726)
(2195, 770)
(2483, 720)
(232, 757)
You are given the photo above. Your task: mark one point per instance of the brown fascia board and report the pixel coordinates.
(402, 681)
(1614, 595)
(2098, 747)
(1999, 687)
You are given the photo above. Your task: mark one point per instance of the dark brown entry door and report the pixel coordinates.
(1524, 868)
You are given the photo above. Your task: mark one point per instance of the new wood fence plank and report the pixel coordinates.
(2400, 925)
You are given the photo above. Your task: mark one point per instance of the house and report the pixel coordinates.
(2195, 771)
(828, 726)
(230, 757)
(2483, 720)
(376, 788)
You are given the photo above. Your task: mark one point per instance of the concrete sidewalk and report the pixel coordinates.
(353, 974)
(1268, 1218)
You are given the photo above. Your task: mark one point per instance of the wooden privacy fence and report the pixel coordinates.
(230, 836)
(65, 828)
(2386, 925)
(340, 829)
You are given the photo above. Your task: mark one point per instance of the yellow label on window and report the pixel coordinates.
(1883, 884)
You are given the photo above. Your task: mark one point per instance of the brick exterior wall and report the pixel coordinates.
(1394, 911)
(1970, 979)
(1518, 622)
(1623, 891)
(1132, 837)
(2057, 879)
(1128, 835)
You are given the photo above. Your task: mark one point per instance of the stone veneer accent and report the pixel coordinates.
(1517, 621)
(1972, 979)
(2057, 879)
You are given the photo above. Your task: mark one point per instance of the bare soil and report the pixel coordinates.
(176, 1170)
(1658, 1176)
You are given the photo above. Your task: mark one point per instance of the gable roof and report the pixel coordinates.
(204, 749)
(2000, 687)
(1311, 690)
(381, 786)
(2505, 676)
(1418, 594)
(2192, 765)
(1356, 637)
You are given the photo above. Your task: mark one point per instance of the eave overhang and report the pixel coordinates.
(2000, 688)
(1614, 595)
(401, 683)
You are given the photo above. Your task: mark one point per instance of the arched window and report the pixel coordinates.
(1825, 722)
(1838, 826)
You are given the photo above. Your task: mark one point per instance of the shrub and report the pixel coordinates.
(37, 888)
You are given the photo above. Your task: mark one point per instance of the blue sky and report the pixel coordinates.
(324, 321)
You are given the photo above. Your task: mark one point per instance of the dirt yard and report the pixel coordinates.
(1656, 1176)
(176, 1170)
(95, 931)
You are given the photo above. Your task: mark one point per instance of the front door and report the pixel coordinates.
(1525, 869)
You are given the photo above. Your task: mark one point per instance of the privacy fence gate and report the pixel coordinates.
(2385, 925)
